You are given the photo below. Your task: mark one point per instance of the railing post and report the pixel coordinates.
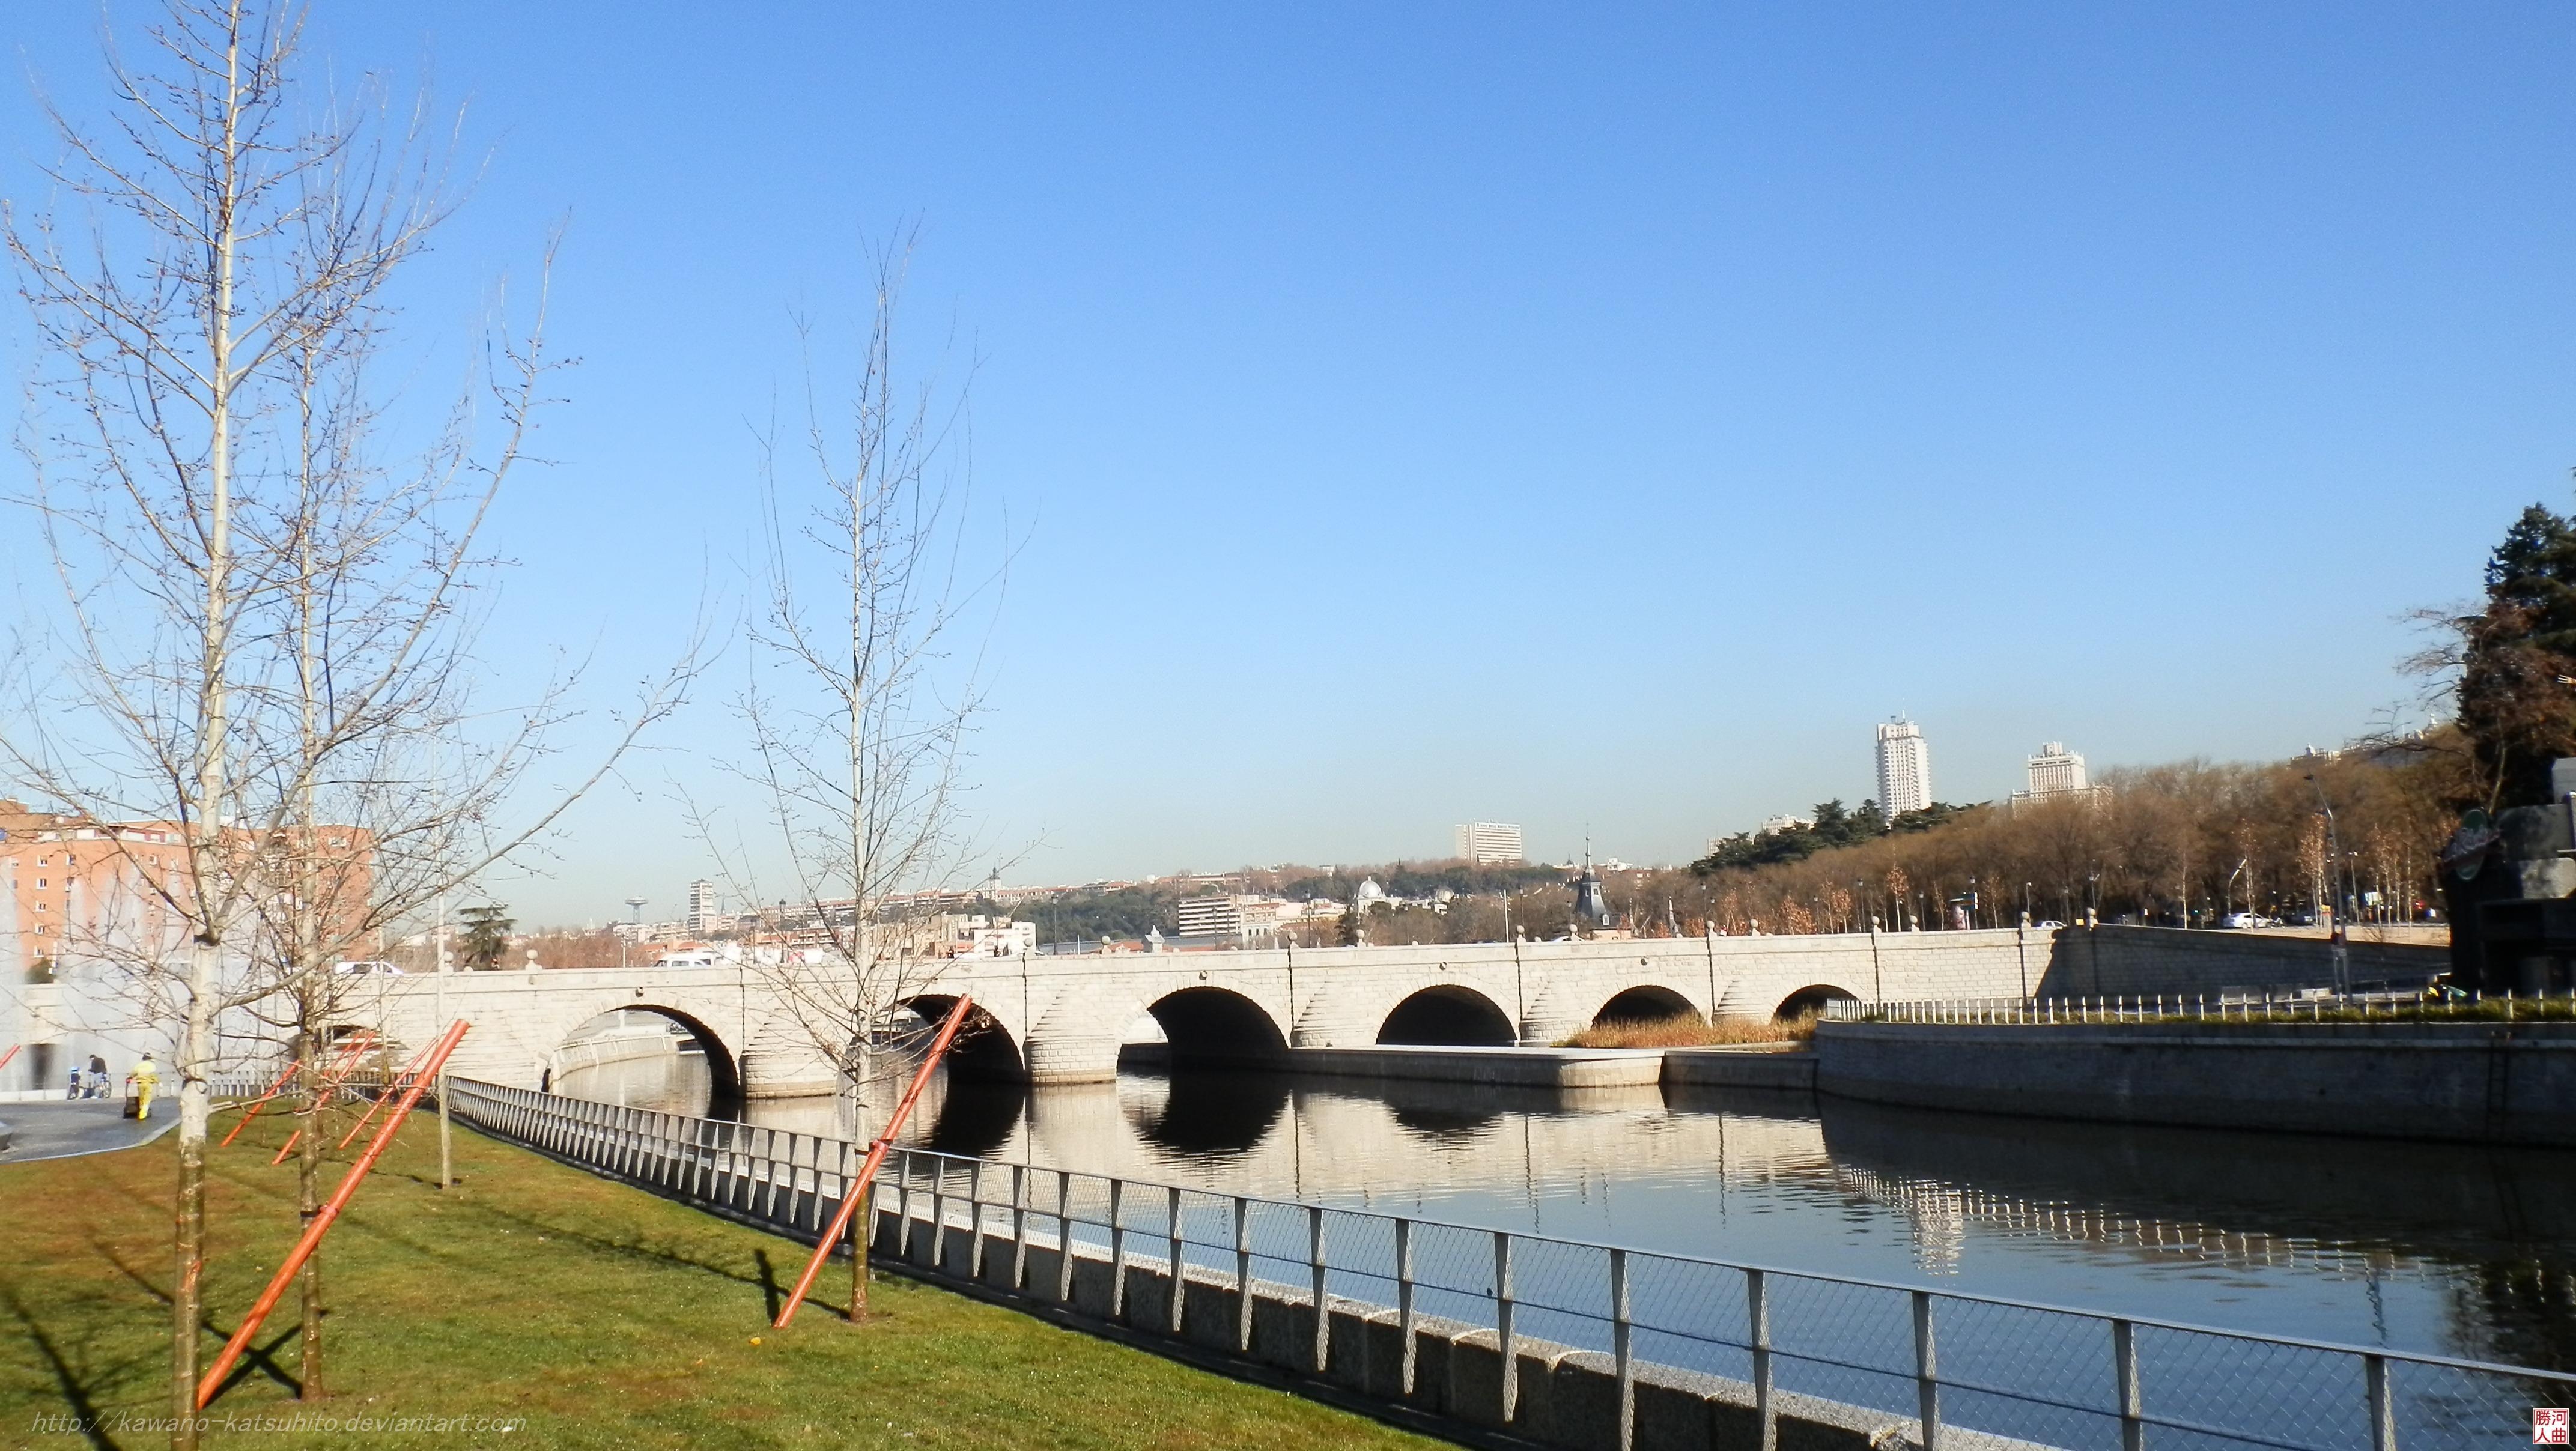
(2124, 1375)
(975, 1217)
(1117, 1250)
(903, 1204)
(1323, 1306)
(1064, 1236)
(1757, 1311)
(1927, 1385)
(2383, 1410)
(1180, 1283)
(1242, 1274)
(938, 1216)
(1019, 1227)
(1404, 1296)
(1620, 1366)
(1504, 1343)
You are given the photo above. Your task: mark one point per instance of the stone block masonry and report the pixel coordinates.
(2469, 1082)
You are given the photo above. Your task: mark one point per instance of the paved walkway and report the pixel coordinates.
(91, 1126)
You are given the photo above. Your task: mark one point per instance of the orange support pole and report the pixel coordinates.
(858, 1190)
(12, 1053)
(348, 1065)
(381, 1099)
(322, 1223)
(354, 1045)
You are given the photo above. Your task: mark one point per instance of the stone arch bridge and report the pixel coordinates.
(1064, 1018)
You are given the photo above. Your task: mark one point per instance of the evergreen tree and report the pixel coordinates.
(2516, 657)
(487, 936)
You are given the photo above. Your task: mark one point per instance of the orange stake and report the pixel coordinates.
(348, 1066)
(12, 1053)
(857, 1193)
(381, 1099)
(322, 1223)
(354, 1045)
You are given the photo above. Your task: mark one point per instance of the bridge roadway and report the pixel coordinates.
(1062, 1019)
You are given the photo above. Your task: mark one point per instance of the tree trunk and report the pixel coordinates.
(187, 1293)
(308, 1205)
(859, 1231)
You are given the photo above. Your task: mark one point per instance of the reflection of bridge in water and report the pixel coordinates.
(1795, 1178)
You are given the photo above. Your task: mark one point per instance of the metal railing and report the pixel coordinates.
(1950, 1361)
(2249, 1005)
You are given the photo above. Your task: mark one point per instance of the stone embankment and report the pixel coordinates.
(2471, 1082)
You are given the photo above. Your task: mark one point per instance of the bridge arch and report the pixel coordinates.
(724, 1069)
(1646, 1003)
(1216, 1027)
(1812, 1000)
(1448, 1014)
(984, 1048)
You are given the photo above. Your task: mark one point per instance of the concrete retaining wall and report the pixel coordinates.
(1504, 1067)
(2468, 1082)
(2103, 961)
(1563, 1396)
(1739, 1068)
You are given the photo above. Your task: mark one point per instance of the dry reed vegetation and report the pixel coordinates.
(1689, 1030)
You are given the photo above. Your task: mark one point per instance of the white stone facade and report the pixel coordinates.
(1064, 1018)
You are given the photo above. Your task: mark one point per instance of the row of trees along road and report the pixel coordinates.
(260, 660)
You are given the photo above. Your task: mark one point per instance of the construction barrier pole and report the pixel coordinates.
(260, 1102)
(330, 1086)
(321, 1225)
(409, 1067)
(12, 1053)
(857, 1191)
(354, 1045)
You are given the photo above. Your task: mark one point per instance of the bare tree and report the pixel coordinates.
(264, 636)
(863, 687)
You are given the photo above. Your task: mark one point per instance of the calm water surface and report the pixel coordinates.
(2460, 1251)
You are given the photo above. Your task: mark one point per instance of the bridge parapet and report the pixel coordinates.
(1066, 1016)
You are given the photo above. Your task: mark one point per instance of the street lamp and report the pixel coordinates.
(2334, 850)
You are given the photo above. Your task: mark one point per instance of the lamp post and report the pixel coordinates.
(2334, 858)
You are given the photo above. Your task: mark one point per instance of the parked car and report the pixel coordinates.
(374, 965)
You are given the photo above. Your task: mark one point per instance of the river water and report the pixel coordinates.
(2427, 1247)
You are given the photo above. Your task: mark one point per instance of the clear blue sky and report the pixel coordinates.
(1580, 419)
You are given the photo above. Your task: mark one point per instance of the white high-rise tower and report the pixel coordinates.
(1904, 769)
(702, 911)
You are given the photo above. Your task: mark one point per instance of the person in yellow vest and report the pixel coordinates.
(146, 1078)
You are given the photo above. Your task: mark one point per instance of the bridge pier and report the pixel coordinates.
(782, 1062)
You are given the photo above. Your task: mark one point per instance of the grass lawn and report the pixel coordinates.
(587, 1313)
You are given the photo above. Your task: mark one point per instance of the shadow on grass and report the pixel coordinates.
(629, 1248)
(770, 1294)
(77, 1390)
(258, 1358)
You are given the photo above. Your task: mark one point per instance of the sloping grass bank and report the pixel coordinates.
(562, 1309)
